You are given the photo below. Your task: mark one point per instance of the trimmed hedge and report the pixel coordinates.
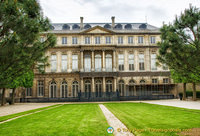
(190, 94)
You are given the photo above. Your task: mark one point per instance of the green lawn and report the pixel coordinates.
(142, 116)
(3, 118)
(66, 120)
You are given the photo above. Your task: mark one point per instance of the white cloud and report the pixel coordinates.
(157, 11)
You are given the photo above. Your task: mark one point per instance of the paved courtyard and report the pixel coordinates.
(177, 103)
(20, 107)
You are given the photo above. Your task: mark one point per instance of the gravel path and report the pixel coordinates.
(114, 122)
(29, 114)
(176, 103)
(21, 107)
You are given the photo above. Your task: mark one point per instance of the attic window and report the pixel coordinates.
(107, 26)
(143, 26)
(87, 26)
(75, 26)
(52, 27)
(66, 27)
(128, 26)
(118, 26)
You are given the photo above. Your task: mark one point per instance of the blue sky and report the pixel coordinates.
(132, 11)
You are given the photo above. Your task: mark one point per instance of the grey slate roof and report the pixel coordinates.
(136, 27)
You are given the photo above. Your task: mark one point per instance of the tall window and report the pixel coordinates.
(98, 88)
(64, 63)
(120, 40)
(87, 88)
(121, 62)
(108, 40)
(108, 62)
(63, 89)
(141, 61)
(53, 63)
(53, 89)
(130, 40)
(121, 87)
(152, 39)
(140, 39)
(98, 62)
(87, 63)
(87, 40)
(74, 40)
(28, 91)
(74, 62)
(75, 89)
(64, 40)
(153, 62)
(97, 40)
(154, 81)
(131, 61)
(165, 80)
(108, 86)
(40, 87)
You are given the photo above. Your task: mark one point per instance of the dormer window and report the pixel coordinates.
(66, 27)
(107, 26)
(128, 26)
(75, 27)
(87, 26)
(118, 26)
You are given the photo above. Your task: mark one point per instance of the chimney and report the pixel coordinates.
(113, 21)
(81, 22)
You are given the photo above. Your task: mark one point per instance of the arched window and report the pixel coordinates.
(52, 27)
(63, 89)
(121, 87)
(142, 81)
(98, 88)
(87, 63)
(118, 26)
(108, 86)
(87, 88)
(128, 26)
(65, 27)
(132, 90)
(87, 26)
(75, 89)
(98, 62)
(75, 27)
(131, 82)
(52, 89)
(143, 26)
(108, 62)
(107, 26)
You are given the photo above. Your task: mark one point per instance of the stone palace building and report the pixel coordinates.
(102, 61)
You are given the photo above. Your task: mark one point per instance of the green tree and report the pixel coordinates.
(180, 46)
(21, 25)
(25, 80)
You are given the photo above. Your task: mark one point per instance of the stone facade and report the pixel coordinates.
(98, 69)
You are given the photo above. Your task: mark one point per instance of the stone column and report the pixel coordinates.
(126, 66)
(104, 84)
(82, 85)
(103, 60)
(115, 84)
(92, 60)
(69, 57)
(58, 54)
(114, 60)
(82, 61)
(93, 90)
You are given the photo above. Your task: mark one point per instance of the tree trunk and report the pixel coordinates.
(184, 91)
(194, 91)
(13, 97)
(3, 97)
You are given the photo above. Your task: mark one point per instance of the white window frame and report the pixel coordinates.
(108, 39)
(140, 39)
(74, 40)
(120, 39)
(87, 40)
(64, 40)
(130, 39)
(74, 62)
(64, 62)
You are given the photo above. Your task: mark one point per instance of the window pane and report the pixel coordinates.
(141, 61)
(121, 62)
(140, 39)
(98, 62)
(87, 63)
(108, 40)
(131, 62)
(130, 39)
(64, 40)
(108, 62)
(153, 62)
(74, 62)
(64, 63)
